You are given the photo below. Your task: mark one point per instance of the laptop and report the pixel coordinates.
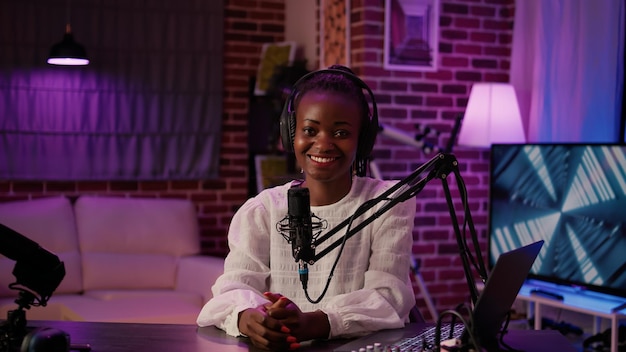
(493, 304)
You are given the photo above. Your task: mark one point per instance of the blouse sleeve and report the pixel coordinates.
(387, 296)
(245, 270)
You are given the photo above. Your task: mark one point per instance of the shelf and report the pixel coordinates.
(598, 305)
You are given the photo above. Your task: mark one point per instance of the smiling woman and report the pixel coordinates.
(148, 106)
(329, 126)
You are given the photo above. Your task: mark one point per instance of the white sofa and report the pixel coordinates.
(126, 259)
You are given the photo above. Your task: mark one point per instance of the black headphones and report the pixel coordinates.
(368, 132)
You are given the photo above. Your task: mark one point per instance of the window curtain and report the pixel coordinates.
(567, 67)
(147, 107)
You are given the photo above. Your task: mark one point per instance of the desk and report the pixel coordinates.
(124, 337)
(592, 303)
(128, 337)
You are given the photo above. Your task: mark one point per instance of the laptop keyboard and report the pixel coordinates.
(422, 342)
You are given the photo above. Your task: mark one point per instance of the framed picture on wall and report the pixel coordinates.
(271, 170)
(334, 33)
(411, 35)
(273, 55)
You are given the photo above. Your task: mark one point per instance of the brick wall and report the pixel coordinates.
(475, 44)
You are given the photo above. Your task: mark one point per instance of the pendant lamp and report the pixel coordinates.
(68, 51)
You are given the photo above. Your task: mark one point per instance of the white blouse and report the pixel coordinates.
(370, 289)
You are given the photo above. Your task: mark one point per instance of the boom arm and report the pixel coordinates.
(439, 167)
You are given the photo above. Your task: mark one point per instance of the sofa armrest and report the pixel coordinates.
(198, 273)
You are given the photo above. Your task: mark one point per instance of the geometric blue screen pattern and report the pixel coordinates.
(572, 196)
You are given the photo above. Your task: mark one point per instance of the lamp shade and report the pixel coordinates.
(68, 51)
(492, 116)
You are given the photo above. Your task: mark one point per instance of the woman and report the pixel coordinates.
(332, 133)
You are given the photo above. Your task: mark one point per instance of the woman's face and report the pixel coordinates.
(327, 136)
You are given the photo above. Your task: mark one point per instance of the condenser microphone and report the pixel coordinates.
(300, 230)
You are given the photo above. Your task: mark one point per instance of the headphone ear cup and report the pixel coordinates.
(287, 127)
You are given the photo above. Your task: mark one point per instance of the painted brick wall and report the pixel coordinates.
(475, 44)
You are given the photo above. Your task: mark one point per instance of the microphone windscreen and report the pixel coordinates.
(298, 202)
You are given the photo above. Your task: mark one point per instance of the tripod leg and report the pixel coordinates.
(424, 290)
(375, 170)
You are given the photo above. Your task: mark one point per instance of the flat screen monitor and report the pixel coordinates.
(572, 196)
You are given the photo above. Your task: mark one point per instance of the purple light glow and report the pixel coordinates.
(68, 61)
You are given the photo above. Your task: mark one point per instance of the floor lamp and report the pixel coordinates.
(492, 116)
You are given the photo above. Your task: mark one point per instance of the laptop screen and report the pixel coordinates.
(493, 304)
(501, 289)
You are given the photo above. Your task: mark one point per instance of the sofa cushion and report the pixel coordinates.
(52, 311)
(148, 306)
(134, 242)
(128, 271)
(110, 295)
(198, 274)
(50, 223)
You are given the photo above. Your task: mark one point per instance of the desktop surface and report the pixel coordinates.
(126, 337)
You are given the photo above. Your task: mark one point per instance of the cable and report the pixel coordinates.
(504, 331)
(467, 325)
(341, 247)
(477, 263)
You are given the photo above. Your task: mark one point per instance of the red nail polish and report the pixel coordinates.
(285, 329)
(294, 346)
(291, 339)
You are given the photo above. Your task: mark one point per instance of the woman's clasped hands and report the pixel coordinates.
(281, 325)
